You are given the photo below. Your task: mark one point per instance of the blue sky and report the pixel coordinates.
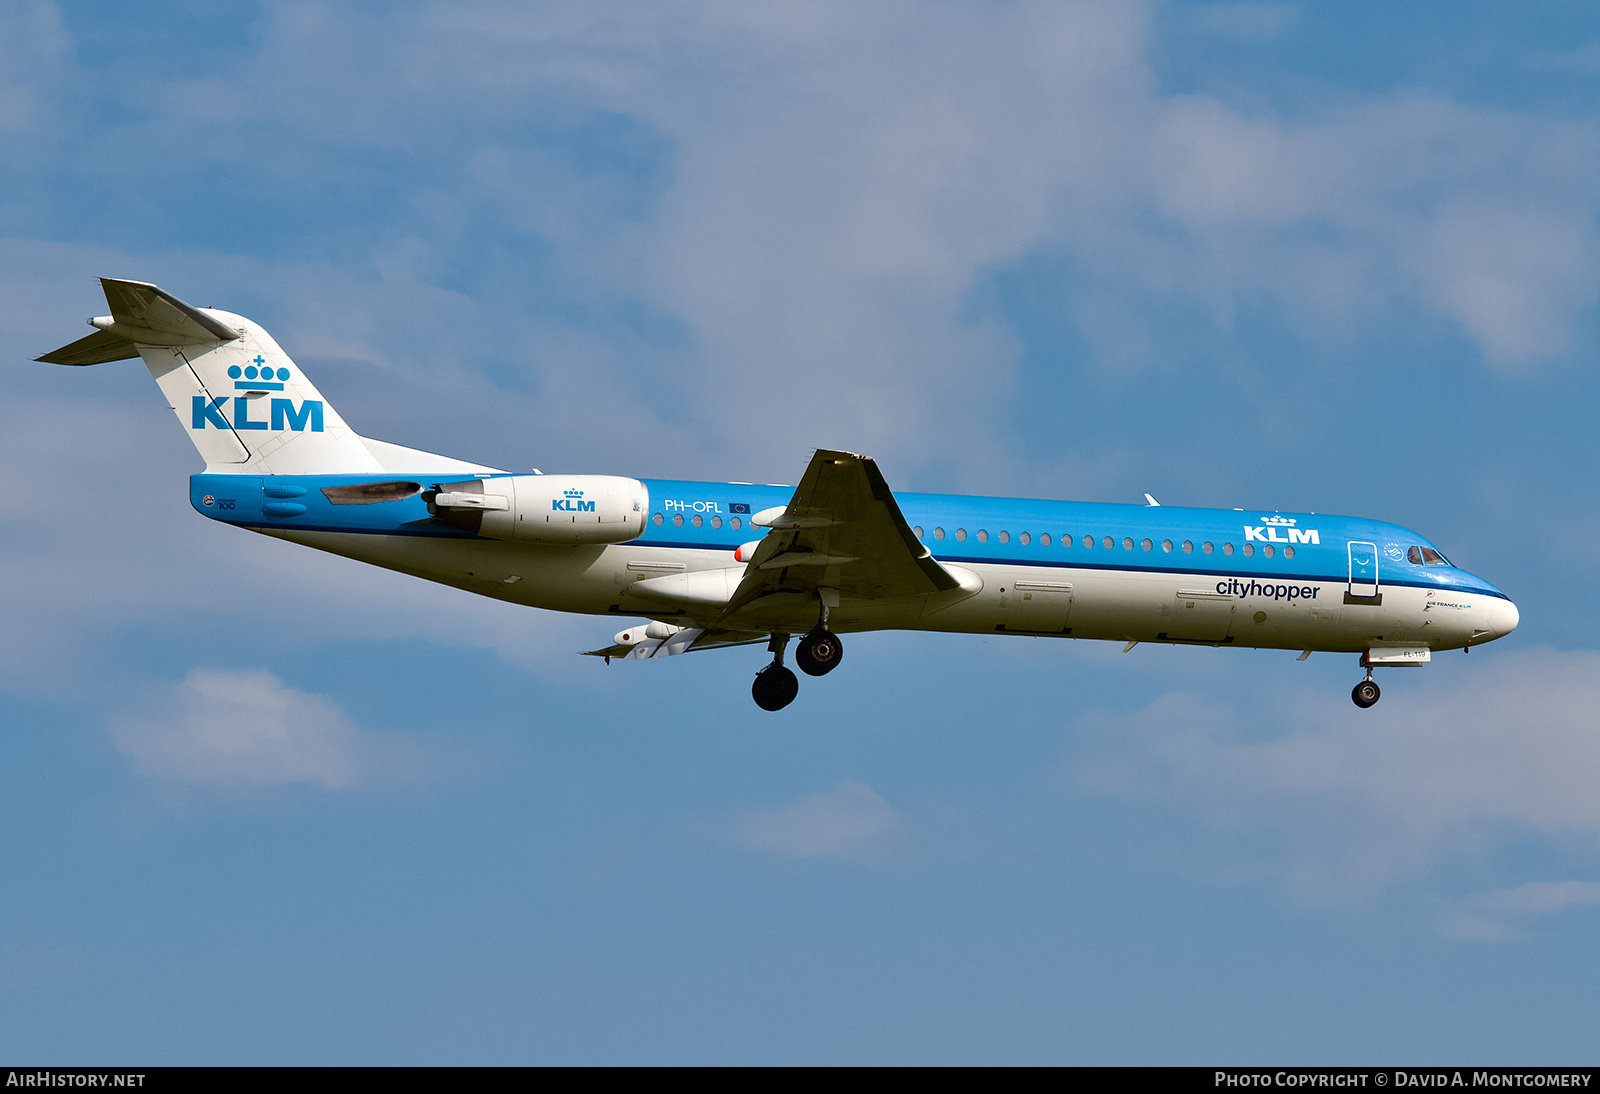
(1333, 257)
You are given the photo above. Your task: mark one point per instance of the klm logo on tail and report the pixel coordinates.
(284, 415)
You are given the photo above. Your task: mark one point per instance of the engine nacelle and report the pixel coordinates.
(559, 509)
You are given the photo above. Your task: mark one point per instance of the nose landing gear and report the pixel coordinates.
(1365, 693)
(775, 686)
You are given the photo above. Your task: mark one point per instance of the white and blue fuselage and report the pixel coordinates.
(1069, 569)
(710, 564)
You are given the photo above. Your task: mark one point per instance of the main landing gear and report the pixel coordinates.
(820, 651)
(817, 653)
(775, 686)
(1365, 693)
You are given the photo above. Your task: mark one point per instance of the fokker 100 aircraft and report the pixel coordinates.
(712, 564)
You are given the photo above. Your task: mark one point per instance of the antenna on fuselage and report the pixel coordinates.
(1152, 501)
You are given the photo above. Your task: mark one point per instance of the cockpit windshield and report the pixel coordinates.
(1426, 556)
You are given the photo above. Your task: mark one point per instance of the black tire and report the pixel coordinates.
(819, 653)
(775, 688)
(1365, 694)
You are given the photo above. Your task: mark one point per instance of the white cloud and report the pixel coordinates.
(250, 729)
(1332, 803)
(1493, 916)
(850, 821)
(841, 181)
(1512, 277)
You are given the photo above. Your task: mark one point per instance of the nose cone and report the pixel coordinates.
(1503, 619)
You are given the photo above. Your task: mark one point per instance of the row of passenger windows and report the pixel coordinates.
(697, 520)
(1025, 538)
(1107, 543)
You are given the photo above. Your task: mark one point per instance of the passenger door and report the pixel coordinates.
(1363, 570)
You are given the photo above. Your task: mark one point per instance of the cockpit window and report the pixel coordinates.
(1425, 556)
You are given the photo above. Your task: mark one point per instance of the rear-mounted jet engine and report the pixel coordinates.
(555, 509)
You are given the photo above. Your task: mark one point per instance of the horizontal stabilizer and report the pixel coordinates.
(93, 349)
(141, 315)
(168, 321)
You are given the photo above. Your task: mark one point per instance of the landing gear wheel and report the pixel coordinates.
(775, 688)
(819, 653)
(1365, 694)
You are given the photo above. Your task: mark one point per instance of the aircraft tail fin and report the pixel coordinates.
(247, 407)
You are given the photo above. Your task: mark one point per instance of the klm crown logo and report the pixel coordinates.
(574, 493)
(256, 376)
(1282, 522)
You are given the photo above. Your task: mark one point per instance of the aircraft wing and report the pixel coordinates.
(842, 530)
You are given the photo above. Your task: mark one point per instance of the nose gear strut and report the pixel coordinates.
(1365, 693)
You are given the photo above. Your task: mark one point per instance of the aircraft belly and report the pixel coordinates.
(796, 613)
(1048, 601)
(1156, 607)
(585, 578)
(1273, 619)
(1124, 605)
(1403, 617)
(964, 612)
(1035, 603)
(1197, 615)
